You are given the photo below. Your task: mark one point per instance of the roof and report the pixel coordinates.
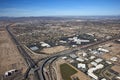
(91, 74)
(94, 63)
(73, 56)
(64, 57)
(108, 62)
(99, 66)
(92, 57)
(104, 50)
(10, 71)
(114, 59)
(45, 45)
(91, 70)
(34, 48)
(84, 54)
(81, 65)
(103, 79)
(79, 59)
(98, 60)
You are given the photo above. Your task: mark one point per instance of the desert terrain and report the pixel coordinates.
(10, 57)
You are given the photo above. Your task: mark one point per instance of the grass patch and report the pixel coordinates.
(67, 71)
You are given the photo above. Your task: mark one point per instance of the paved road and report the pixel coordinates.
(67, 52)
(30, 62)
(43, 63)
(40, 70)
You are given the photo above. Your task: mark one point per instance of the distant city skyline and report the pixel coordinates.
(26, 8)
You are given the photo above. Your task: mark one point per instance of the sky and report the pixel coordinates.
(23, 8)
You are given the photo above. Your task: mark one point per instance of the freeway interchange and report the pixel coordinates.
(39, 69)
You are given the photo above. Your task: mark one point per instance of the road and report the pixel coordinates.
(67, 52)
(44, 62)
(30, 62)
(39, 71)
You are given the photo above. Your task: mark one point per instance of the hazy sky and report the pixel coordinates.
(59, 7)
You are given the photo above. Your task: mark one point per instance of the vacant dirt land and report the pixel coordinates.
(10, 57)
(53, 50)
(116, 68)
(114, 49)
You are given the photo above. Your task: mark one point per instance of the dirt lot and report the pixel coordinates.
(116, 68)
(9, 55)
(114, 50)
(53, 50)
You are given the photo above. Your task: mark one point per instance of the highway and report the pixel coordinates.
(44, 62)
(39, 71)
(50, 69)
(30, 62)
(67, 52)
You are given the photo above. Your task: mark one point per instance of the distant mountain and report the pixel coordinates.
(61, 18)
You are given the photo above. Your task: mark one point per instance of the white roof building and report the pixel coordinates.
(94, 63)
(103, 50)
(64, 57)
(43, 44)
(10, 71)
(99, 66)
(61, 41)
(84, 54)
(80, 59)
(113, 59)
(79, 53)
(91, 70)
(103, 79)
(118, 77)
(86, 59)
(108, 62)
(74, 45)
(91, 74)
(92, 57)
(98, 60)
(94, 52)
(81, 65)
(34, 48)
(78, 41)
(73, 56)
(70, 39)
(84, 40)
(71, 61)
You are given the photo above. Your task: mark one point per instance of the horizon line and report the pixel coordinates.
(62, 16)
